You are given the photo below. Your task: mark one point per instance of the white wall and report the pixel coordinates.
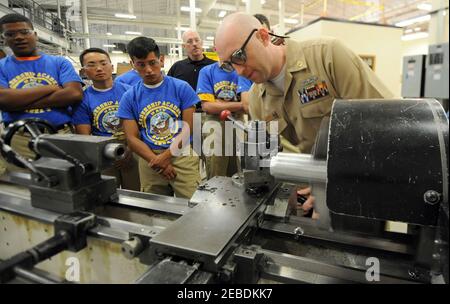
(311, 31)
(439, 24)
(415, 47)
(383, 42)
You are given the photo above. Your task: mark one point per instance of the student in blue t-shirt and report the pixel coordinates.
(152, 113)
(130, 78)
(34, 84)
(219, 90)
(96, 114)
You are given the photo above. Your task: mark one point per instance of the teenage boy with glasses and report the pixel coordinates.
(96, 114)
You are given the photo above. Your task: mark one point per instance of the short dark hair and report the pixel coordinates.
(263, 20)
(14, 18)
(140, 47)
(93, 50)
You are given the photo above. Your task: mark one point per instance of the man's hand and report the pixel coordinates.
(308, 204)
(161, 161)
(126, 162)
(169, 173)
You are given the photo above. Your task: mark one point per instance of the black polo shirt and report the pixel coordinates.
(188, 70)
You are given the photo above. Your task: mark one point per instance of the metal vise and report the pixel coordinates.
(66, 174)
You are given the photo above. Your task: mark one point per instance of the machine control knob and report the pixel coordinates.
(225, 115)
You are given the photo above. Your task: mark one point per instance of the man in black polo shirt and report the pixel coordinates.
(188, 69)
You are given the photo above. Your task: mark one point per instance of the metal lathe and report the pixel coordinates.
(375, 164)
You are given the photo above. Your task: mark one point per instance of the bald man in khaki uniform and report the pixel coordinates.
(316, 72)
(295, 83)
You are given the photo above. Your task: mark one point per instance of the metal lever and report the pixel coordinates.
(14, 157)
(39, 143)
(226, 115)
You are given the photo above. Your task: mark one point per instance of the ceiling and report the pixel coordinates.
(158, 18)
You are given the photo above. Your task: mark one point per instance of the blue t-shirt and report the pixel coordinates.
(215, 83)
(99, 109)
(46, 70)
(158, 111)
(131, 78)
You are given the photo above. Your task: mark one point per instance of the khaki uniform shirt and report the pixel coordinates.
(317, 72)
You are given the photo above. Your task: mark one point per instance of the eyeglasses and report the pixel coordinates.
(193, 41)
(94, 65)
(12, 34)
(238, 57)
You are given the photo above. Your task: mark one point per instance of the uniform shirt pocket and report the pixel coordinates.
(317, 108)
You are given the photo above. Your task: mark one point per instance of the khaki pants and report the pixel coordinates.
(184, 184)
(221, 165)
(19, 144)
(126, 178)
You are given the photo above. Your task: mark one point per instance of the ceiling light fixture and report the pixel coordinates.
(415, 36)
(125, 16)
(188, 9)
(133, 33)
(182, 28)
(290, 21)
(424, 7)
(413, 20)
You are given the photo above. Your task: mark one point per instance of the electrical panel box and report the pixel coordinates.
(436, 79)
(413, 76)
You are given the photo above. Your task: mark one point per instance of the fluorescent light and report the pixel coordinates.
(209, 38)
(424, 6)
(419, 35)
(117, 52)
(262, 1)
(222, 14)
(108, 34)
(408, 31)
(290, 21)
(182, 28)
(133, 33)
(125, 16)
(188, 9)
(413, 20)
(109, 45)
(417, 29)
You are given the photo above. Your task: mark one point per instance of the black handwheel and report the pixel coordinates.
(34, 126)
